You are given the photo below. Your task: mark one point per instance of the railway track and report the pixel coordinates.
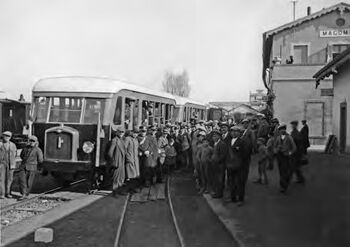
(161, 211)
(38, 196)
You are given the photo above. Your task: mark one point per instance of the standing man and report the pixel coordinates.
(305, 136)
(7, 164)
(117, 154)
(235, 164)
(31, 156)
(218, 164)
(132, 159)
(250, 143)
(284, 147)
(296, 156)
(263, 128)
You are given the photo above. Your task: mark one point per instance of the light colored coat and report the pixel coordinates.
(117, 153)
(132, 157)
(11, 157)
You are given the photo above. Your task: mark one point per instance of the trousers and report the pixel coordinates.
(284, 167)
(6, 178)
(26, 179)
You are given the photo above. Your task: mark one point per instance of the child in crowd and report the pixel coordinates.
(262, 161)
(170, 155)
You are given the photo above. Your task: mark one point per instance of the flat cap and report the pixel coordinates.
(33, 138)
(120, 129)
(201, 133)
(294, 122)
(224, 124)
(246, 120)
(7, 133)
(236, 128)
(282, 126)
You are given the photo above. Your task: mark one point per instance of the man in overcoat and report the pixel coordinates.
(284, 147)
(250, 142)
(296, 156)
(31, 156)
(117, 153)
(305, 136)
(132, 158)
(218, 164)
(8, 152)
(235, 166)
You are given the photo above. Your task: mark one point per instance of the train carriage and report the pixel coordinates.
(187, 109)
(74, 117)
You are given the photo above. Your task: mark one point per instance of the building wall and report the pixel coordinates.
(309, 33)
(342, 94)
(298, 100)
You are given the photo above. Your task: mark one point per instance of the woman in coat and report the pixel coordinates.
(117, 154)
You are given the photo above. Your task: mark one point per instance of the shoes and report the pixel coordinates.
(2, 197)
(216, 196)
(206, 192)
(258, 181)
(9, 196)
(300, 182)
(201, 191)
(283, 191)
(240, 204)
(22, 198)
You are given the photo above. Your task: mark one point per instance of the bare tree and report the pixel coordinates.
(177, 84)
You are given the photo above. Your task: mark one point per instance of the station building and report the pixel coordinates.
(339, 68)
(292, 54)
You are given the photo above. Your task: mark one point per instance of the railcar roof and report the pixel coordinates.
(182, 101)
(81, 84)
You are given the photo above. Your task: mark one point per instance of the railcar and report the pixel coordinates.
(14, 116)
(214, 112)
(74, 119)
(187, 109)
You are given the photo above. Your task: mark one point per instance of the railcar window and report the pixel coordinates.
(93, 108)
(65, 109)
(41, 106)
(118, 111)
(136, 114)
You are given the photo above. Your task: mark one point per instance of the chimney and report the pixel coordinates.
(308, 10)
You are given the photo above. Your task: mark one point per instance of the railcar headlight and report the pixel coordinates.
(88, 147)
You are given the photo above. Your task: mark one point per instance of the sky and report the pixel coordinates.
(219, 42)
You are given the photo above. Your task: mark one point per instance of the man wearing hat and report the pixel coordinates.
(235, 166)
(218, 165)
(284, 147)
(31, 156)
(250, 146)
(132, 164)
(117, 154)
(296, 156)
(204, 155)
(305, 136)
(7, 164)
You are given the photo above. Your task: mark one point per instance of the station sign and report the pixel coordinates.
(330, 33)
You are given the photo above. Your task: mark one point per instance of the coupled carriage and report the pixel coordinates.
(74, 119)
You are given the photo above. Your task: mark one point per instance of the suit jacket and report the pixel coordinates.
(249, 141)
(117, 152)
(10, 156)
(219, 153)
(236, 155)
(31, 157)
(285, 146)
(150, 144)
(295, 134)
(304, 132)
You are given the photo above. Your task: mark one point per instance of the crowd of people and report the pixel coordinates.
(31, 156)
(218, 153)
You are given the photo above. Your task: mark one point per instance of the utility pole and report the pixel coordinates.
(294, 4)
